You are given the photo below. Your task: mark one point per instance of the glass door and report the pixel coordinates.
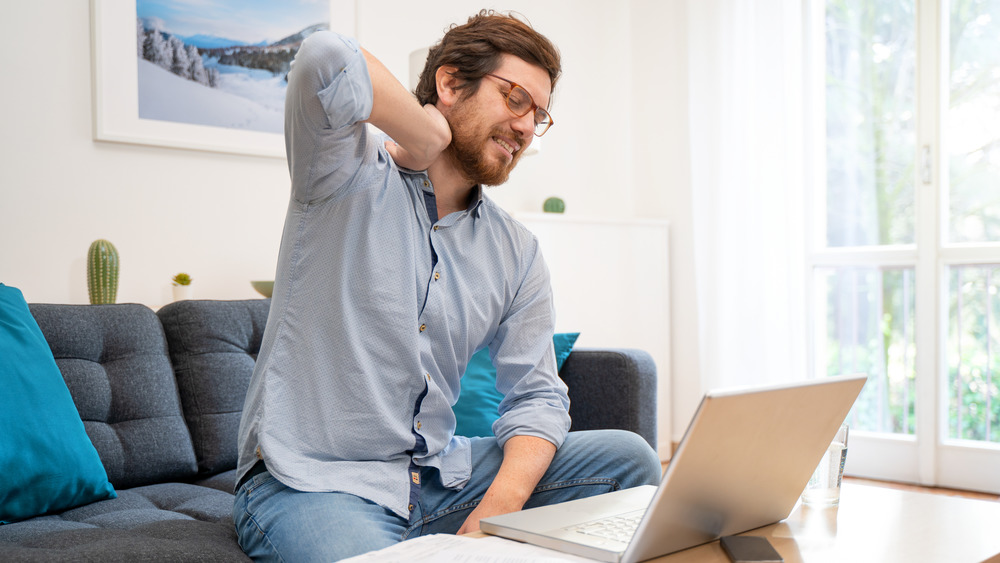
(969, 455)
(903, 267)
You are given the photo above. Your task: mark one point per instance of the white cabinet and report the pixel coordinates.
(611, 284)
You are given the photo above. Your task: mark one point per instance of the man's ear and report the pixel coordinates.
(447, 85)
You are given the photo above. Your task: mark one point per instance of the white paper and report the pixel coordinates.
(447, 548)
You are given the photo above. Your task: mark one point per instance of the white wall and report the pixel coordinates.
(618, 151)
(215, 216)
(662, 177)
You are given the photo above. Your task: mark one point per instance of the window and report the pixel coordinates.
(904, 266)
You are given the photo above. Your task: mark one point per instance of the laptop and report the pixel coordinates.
(743, 462)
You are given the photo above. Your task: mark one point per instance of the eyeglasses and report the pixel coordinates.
(520, 102)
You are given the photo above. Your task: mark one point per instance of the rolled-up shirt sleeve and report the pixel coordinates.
(328, 98)
(535, 401)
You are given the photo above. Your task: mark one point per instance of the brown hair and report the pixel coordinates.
(475, 48)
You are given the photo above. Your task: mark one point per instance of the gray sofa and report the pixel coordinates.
(160, 394)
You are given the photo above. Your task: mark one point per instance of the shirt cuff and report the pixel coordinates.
(542, 420)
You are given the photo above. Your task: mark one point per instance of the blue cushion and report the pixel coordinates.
(47, 462)
(478, 403)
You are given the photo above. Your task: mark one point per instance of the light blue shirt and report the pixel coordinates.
(363, 319)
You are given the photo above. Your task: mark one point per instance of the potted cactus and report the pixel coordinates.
(102, 272)
(554, 205)
(182, 286)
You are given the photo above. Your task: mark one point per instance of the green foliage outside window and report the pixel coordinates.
(873, 174)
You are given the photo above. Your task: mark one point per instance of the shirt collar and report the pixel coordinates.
(423, 181)
(476, 207)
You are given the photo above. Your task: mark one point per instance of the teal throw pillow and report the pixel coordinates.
(47, 462)
(478, 404)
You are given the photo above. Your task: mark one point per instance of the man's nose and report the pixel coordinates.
(525, 127)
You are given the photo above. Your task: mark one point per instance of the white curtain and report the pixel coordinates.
(746, 102)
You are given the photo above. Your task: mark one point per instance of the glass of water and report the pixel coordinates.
(824, 485)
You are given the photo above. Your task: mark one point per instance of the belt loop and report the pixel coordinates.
(257, 469)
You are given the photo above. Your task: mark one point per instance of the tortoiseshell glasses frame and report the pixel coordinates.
(520, 103)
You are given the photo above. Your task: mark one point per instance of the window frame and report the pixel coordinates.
(928, 456)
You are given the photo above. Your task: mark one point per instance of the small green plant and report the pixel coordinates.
(182, 279)
(554, 205)
(102, 272)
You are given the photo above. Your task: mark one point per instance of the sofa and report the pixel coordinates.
(160, 395)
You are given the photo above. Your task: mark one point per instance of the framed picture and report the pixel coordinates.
(203, 76)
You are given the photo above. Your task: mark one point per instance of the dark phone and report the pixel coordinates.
(747, 549)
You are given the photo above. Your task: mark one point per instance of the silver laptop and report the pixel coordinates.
(742, 464)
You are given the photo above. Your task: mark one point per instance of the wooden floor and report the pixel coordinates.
(918, 488)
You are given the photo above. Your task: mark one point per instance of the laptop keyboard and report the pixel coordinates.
(620, 528)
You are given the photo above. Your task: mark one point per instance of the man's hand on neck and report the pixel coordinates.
(421, 133)
(408, 158)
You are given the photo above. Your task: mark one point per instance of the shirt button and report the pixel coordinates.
(437, 276)
(435, 227)
(427, 184)
(410, 508)
(257, 452)
(428, 377)
(419, 425)
(423, 328)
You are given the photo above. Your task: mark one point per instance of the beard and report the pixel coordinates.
(469, 149)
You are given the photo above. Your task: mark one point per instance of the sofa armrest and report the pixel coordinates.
(612, 388)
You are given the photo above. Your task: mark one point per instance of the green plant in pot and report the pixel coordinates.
(102, 272)
(182, 286)
(554, 205)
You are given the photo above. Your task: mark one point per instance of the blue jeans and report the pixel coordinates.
(276, 523)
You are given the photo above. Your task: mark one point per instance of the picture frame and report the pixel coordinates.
(115, 91)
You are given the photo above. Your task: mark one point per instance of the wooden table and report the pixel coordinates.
(880, 525)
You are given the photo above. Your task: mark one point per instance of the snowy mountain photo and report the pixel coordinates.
(221, 64)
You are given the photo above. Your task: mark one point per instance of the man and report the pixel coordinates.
(394, 269)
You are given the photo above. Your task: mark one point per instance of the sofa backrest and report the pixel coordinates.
(115, 363)
(214, 345)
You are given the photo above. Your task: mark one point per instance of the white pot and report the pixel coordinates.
(182, 292)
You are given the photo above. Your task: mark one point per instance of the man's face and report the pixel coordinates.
(487, 139)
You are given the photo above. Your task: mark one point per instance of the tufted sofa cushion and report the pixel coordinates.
(163, 522)
(213, 345)
(114, 361)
